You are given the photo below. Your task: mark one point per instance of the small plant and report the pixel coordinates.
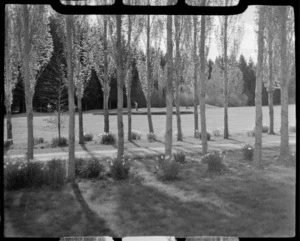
(179, 157)
(54, 173)
(136, 135)
(38, 140)
(151, 137)
(198, 134)
(119, 168)
(7, 143)
(170, 168)
(89, 168)
(248, 152)
(214, 161)
(292, 129)
(87, 136)
(107, 138)
(251, 133)
(217, 132)
(59, 142)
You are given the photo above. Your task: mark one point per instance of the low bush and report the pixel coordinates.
(170, 169)
(88, 137)
(179, 157)
(251, 133)
(107, 138)
(38, 140)
(88, 168)
(59, 142)
(292, 129)
(217, 132)
(20, 174)
(119, 168)
(136, 135)
(198, 135)
(214, 161)
(7, 144)
(151, 137)
(248, 152)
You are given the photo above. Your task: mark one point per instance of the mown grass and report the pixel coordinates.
(239, 202)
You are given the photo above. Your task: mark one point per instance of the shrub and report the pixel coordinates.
(119, 168)
(248, 152)
(291, 160)
(7, 144)
(88, 137)
(151, 137)
(170, 168)
(198, 135)
(59, 142)
(213, 161)
(217, 132)
(38, 140)
(135, 135)
(292, 129)
(265, 128)
(107, 138)
(19, 174)
(251, 133)
(89, 168)
(179, 157)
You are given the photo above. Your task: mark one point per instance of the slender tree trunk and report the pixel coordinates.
(195, 78)
(120, 81)
(80, 119)
(284, 137)
(129, 105)
(203, 86)
(270, 89)
(59, 125)
(226, 134)
(8, 77)
(271, 112)
(179, 132)
(106, 85)
(169, 87)
(258, 91)
(149, 78)
(70, 163)
(28, 95)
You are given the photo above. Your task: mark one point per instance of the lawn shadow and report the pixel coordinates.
(134, 143)
(94, 222)
(83, 146)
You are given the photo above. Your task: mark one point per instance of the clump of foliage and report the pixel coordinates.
(198, 134)
(291, 160)
(88, 137)
(170, 169)
(88, 168)
(7, 144)
(107, 138)
(265, 128)
(251, 133)
(136, 135)
(248, 152)
(59, 142)
(216, 132)
(20, 174)
(179, 157)
(119, 168)
(214, 161)
(38, 140)
(151, 137)
(292, 129)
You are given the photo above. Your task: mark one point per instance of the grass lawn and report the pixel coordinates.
(240, 202)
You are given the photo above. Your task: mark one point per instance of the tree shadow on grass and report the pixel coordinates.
(94, 222)
(134, 143)
(83, 146)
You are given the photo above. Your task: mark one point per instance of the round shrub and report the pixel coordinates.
(179, 157)
(38, 140)
(119, 168)
(107, 138)
(88, 137)
(151, 137)
(213, 161)
(170, 169)
(90, 168)
(59, 142)
(248, 152)
(135, 135)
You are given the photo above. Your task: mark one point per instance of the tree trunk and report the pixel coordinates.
(284, 137)
(169, 88)
(258, 90)
(120, 80)
(271, 112)
(195, 78)
(70, 163)
(149, 78)
(59, 125)
(179, 132)
(203, 86)
(80, 119)
(129, 106)
(28, 95)
(9, 124)
(106, 85)
(226, 134)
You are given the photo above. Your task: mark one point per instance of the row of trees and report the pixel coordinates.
(108, 46)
